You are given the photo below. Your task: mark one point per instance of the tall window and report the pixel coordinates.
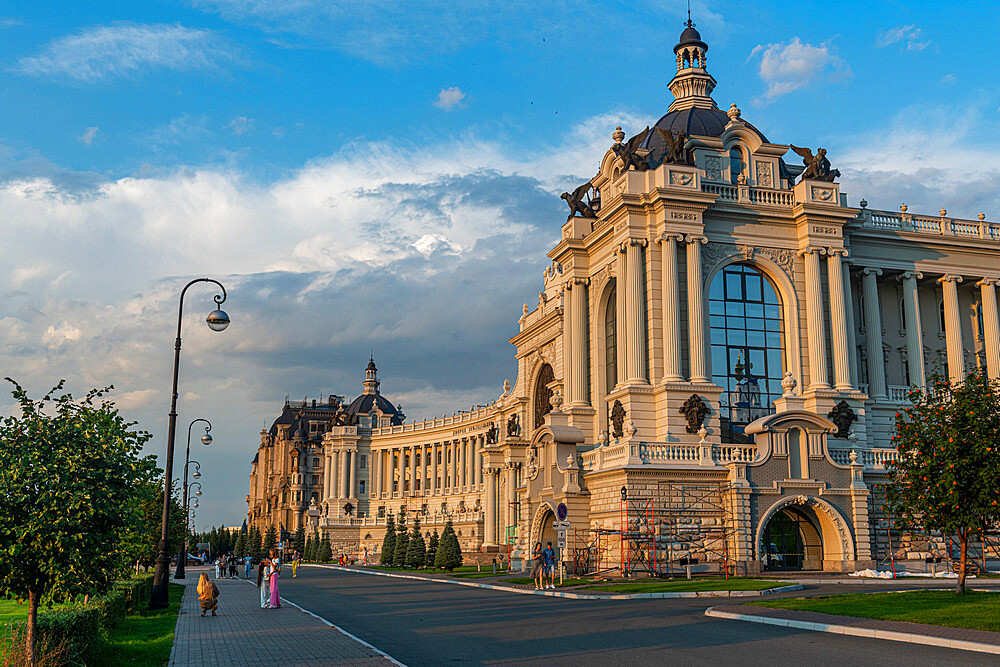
(611, 341)
(735, 164)
(543, 394)
(746, 329)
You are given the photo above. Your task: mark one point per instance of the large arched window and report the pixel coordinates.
(610, 341)
(735, 164)
(542, 405)
(747, 347)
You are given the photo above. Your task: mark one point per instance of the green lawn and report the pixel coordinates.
(11, 611)
(687, 585)
(144, 637)
(974, 610)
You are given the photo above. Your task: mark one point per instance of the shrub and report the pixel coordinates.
(449, 553)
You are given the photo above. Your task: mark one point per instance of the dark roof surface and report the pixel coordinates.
(364, 404)
(690, 37)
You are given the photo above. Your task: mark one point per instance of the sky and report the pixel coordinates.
(381, 177)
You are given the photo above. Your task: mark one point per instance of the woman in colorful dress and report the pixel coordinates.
(275, 573)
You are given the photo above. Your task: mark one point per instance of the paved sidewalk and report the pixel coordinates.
(245, 634)
(912, 633)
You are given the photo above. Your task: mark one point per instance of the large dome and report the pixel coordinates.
(693, 121)
(365, 403)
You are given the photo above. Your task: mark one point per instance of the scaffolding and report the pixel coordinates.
(664, 531)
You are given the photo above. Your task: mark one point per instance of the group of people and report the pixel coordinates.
(268, 572)
(544, 566)
(225, 567)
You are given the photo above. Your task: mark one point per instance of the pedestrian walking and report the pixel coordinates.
(264, 582)
(232, 567)
(295, 565)
(538, 566)
(217, 565)
(247, 566)
(549, 556)
(208, 594)
(275, 574)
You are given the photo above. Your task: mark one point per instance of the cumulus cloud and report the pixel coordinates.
(793, 65)
(449, 98)
(123, 50)
(89, 135)
(908, 36)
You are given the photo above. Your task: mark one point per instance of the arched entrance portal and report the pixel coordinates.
(792, 541)
(541, 529)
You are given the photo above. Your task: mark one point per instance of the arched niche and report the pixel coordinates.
(771, 434)
(835, 529)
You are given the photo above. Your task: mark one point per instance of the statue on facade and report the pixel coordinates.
(675, 151)
(817, 166)
(576, 203)
(627, 152)
(617, 419)
(514, 425)
(348, 509)
(843, 416)
(492, 434)
(694, 410)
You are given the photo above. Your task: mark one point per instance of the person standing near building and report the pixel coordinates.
(549, 556)
(248, 566)
(295, 565)
(538, 566)
(218, 565)
(264, 582)
(232, 567)
(275, 574)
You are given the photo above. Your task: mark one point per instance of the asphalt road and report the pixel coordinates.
(420, 623)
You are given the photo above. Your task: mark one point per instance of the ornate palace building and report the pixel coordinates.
(709, 374)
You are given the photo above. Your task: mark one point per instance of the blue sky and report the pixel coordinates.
(385, 175)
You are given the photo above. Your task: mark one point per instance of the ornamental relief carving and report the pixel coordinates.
(713, 168)
(764, 175)
(713, 253)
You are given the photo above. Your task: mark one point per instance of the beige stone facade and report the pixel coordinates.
(715, 282)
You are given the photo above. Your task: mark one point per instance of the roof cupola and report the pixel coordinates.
(692, 86)
(371, 378)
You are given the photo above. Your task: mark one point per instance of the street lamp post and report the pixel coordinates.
(217, 320)
(205, 440)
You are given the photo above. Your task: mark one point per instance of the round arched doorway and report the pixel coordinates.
(792, 540)
(542, 531)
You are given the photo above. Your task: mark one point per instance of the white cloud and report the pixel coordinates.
(906, 35)
(449, 98)
(241, 125)
(788, 67)
(89, 135)
(122, 50)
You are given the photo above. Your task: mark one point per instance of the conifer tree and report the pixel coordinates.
(299, 544)
(432, 549)
(388, 542)
(307, 552)
(402, 541)
(270, 540)
(449, 553)
(241, 546)
(325, 551)
(416, 552)
(255, 543)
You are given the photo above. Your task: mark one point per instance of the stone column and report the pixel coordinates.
(620, 288)
(578, 335)
(814, 319)
(453, 446)
(953, 327)
(671, 308)
(509, 513)
(424, 469)
(434, 468)
(480, 463)
(696, 310)
(852, 349)
(491, 509)
(873, 334)
(991, 326)
(838, 321)
(635, 324)
(354, 479)
(341, 464)
(914, 334)
(413, 471)
(327, 476)
(401, 470)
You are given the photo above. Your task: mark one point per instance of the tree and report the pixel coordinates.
(270, 541)
(140, 540)
(388, 542)
(947, 473)
(449, 553)
(402, 541)
(416, 553)
(325, 552)
(70, 474)
(241, 546)
(432, 549)
(307, 553)
(300, 539)
(255, 544)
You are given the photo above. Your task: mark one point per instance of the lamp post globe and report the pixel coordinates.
(217, 320)
(197, 474)
(206, 439)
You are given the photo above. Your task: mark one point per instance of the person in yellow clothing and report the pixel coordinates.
(208, 594)
(295, 565)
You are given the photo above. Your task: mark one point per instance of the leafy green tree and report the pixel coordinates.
(300, 539)
(388, 542)
(140, 540)
(449, 553)
(432, 549)
(270, 540)
(416, 553)
(402, 541)
(947, 474)
(70, 473)
(325, 551)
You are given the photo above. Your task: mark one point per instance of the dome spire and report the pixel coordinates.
(692, 85)
(371, 377)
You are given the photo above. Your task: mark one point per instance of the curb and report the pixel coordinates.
(905, 637)
(575, 596)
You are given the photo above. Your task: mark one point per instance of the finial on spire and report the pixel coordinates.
(689, 23)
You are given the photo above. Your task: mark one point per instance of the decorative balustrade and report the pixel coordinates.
(895, 393)
(870, 458)
(759, 196)
(464, 417)
(979, 229)
(660, 453)
(729, 192)
(735, 453)
(428, 518)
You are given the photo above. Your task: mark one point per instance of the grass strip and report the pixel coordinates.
(687, 585)
(527, 581)
(974, 611)
(143, 637)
